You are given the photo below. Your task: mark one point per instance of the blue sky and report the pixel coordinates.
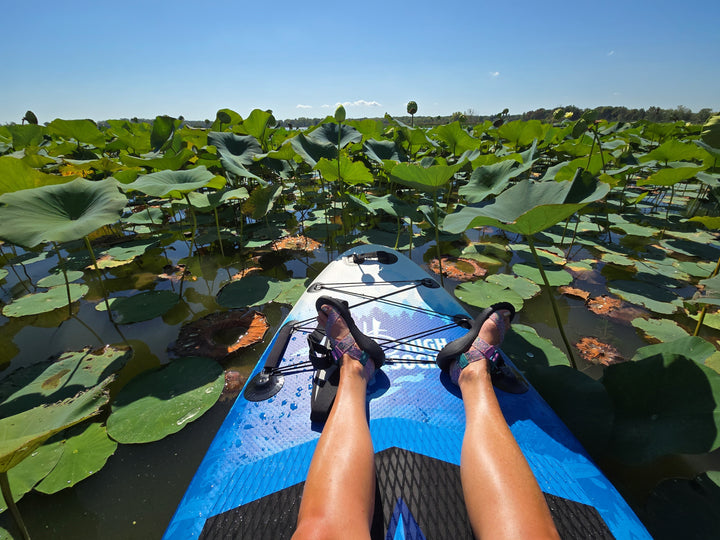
(100, 59)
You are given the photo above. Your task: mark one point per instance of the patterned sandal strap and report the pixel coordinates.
(346, 345)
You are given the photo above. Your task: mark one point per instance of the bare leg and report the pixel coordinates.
(339, 494)
(502, 496)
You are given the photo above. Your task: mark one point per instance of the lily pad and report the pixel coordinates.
(692, 347)
(525, 288)
(249, 291)
(143, 306)
(43, 302)
(660, 329)
(664, 404)
(556, 277)
(58, 278)
(529, 351)
(292, 290)
(655, 299)
(3, 273)
(59, 213)
(157, 404)
(86, 450)
(175, 183)
(482, 294)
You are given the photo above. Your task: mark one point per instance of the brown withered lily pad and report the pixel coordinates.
(459, 269)
(297, 243)
(598, 353)
(220, 334)
(572, 291)
(603, 305)
(176, 273)
(247, 271)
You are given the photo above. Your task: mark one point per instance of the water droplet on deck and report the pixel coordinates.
(293, 406)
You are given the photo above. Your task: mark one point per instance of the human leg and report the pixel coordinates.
(502, 496)
(339, 494)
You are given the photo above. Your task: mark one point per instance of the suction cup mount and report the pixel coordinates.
(264, 385)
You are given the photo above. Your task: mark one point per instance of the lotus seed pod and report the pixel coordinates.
(710, 133)
(412, 107)
(340, 114)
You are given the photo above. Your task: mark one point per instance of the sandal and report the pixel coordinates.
(452, 358)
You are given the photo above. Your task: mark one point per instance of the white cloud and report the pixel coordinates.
(494, 74)
(611, 53)
(300, 106)
(359, 103)
(325, 106)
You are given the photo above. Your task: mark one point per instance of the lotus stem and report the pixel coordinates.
(437, 240)
(99, 275)
(100, 340)
(194, 223)
(61, 262)
(705, 307)
(217, 226)
(7, 495)
(555, 309)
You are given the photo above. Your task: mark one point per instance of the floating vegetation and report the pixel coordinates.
(598, 353)
(458, 269)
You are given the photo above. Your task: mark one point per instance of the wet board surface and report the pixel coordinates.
(250, 482)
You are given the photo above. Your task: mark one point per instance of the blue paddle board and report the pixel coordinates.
(249, 484)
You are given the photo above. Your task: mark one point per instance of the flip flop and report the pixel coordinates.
(502, 375)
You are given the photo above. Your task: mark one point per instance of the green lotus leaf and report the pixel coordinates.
(556, 277)
(482, 294)
(3, 273)
(15, 175)
(710, 133)
(490, 180)
(143, 306)
(175, 183)
(528, 207)
(135, 136)
(662, 329)
(257, 124)
(43, 302)
(657, 299)
(59, 213)
(163, 128)
(523, 132)
(664, 404)
(380, 151)
(337, 135)
(83, 131)
(525, 288)
(312, 151)
(691, 347)
(291, 291)
(225, 118)
(669, 176)
(370, 128)
(617, 259)
(426, 179)
(261, 201)
(249, 291)
(712, 223)
(351, 172)
(48, 382)
(580, 401)
(162, 161)
(86, 450)
(204, 202)
(149, 215)
(695, 269)
(236, 151)
(529, 351)
(21, 434)
(58, 278)
(25, 475)
(455, 138)
(672, 150)
(26, 135)
(157, 404)
(697, 500)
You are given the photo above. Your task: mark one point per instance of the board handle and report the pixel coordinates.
(269, 381)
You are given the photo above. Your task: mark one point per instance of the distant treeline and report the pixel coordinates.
(611, 114)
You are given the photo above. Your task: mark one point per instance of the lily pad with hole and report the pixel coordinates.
(660, 329)
(657, 299)
(58, 278)
(86, 450)
(249, 291)
(44, 302)
(157, 404)
(665, 403)
(143, 306)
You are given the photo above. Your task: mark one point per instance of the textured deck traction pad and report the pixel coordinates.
(421, 492)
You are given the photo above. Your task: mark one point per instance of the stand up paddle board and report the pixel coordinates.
(250, 483)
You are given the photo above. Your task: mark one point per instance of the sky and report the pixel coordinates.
(101, 60)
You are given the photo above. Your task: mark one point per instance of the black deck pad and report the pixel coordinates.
(425, 493)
